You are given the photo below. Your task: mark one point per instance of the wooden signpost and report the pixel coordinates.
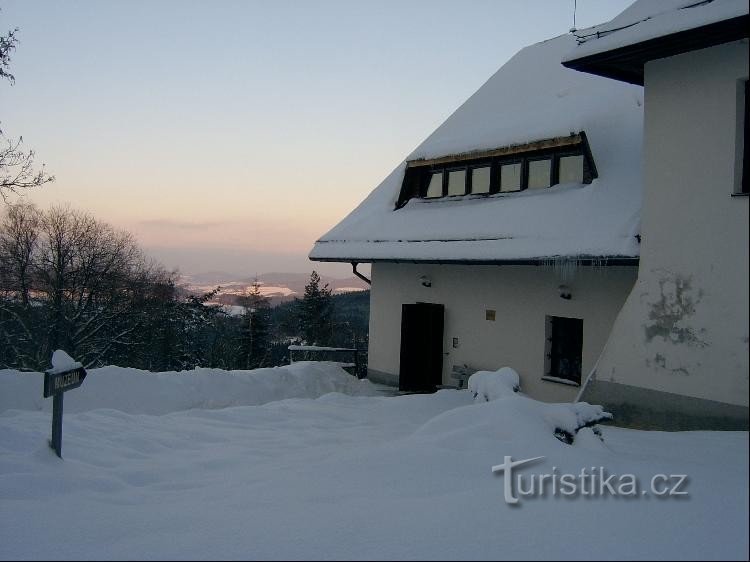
(55, 384)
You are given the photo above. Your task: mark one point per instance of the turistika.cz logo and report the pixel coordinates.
(590, 481)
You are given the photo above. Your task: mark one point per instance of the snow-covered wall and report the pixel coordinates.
(521, 296)
(684, 328)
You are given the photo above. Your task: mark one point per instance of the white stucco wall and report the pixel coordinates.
(684, 328)
(522, 297)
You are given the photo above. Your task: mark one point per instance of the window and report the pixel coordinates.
(540, 173)
(745, 185)
(570, 169)
(457, 182)
(435, 187)
(563, 349)
(510, 177)
(480, 180)
(535, 165)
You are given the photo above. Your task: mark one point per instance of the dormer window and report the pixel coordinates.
(571, 169)
(435, 186)
(538, 165)
(510, 176)
(540, 173)
(480, 179)
(457, 182)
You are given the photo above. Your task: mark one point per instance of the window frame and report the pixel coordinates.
(470, 179)
(418, 172)
(564, 154)
(527, 163)
(446, 180)
(511, 161)
(564, 323)
(428, 179)
(744, 183)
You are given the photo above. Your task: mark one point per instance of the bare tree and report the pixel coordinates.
(88, 273)
(19, 232)
(17, 173)
(68, 281)
(8, 44)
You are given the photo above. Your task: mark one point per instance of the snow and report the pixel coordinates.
(349, 289)
(650, 19)
(270, 291)
(531, 97)
(142, 392)
(491, 385)
(317, 348)
(61, 362)
(343, 476)
(486, 386)
(233, 309)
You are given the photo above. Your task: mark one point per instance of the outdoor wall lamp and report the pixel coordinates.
(425, 281)
(565, 292)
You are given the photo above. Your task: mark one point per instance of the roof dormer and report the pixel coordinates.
(535, 165)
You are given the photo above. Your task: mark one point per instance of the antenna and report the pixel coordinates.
(575, 7)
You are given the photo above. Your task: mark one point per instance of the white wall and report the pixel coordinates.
(522, 297)
(684, 328)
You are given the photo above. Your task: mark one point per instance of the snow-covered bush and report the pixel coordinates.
(569, 419)
(491, 385)
(564, 420)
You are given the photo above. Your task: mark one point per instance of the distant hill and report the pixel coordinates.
(277, 286)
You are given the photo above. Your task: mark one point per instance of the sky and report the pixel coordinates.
(230, 135)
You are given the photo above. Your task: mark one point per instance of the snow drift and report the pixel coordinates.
(142, 392)
(340, 476)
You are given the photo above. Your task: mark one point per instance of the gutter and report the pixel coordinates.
(358, 274)
(588, 260)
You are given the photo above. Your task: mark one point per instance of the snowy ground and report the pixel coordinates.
(343, 475)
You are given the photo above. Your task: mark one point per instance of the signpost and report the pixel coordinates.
(55, 384)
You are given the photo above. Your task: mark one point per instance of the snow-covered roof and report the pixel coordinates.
(654, 29)
(531, 97)
(649, 19)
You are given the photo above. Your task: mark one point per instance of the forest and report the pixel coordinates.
(70, 281)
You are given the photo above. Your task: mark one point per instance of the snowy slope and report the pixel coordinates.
(649, 19)
(531, 97)
(355, 477)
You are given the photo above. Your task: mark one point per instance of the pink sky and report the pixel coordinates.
(231, 135)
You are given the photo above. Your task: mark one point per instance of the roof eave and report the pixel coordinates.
(626, 63)
(580, 260)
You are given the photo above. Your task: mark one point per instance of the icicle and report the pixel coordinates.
(564, 267)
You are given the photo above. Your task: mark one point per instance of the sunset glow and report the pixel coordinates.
(231, 135)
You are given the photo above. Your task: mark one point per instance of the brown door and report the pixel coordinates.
(565, 348)
(421, 368)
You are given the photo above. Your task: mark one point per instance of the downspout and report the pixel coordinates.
(358, 274)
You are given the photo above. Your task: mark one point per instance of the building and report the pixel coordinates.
(677, 356)
(510, 236)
